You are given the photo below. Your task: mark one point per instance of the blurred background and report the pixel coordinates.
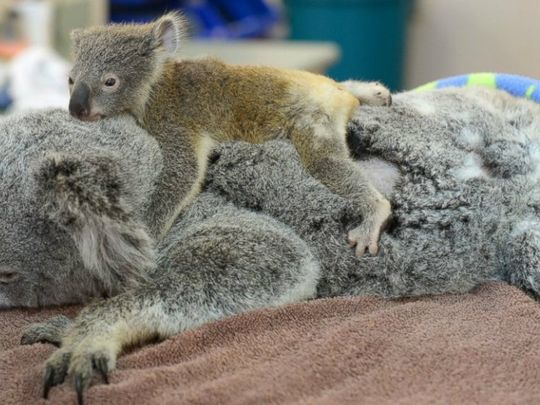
(402, 43)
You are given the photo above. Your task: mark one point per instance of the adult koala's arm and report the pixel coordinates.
(232, 262)
(217, 260)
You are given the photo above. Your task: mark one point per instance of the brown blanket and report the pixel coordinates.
(478, 348)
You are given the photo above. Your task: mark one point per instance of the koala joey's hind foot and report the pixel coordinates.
(50, 331)
(80, 362)
(366, 236)
(369, 93)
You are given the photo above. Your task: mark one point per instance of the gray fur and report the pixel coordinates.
(47, 332)
(65, 230)
(263, 232)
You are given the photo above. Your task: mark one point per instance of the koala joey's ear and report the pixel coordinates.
(83, 195)
(168, 32)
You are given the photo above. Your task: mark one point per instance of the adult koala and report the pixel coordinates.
(74, 198)
(74, 215)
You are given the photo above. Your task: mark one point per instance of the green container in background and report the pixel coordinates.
(371, 34)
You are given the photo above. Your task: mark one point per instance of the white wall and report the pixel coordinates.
(449, 37)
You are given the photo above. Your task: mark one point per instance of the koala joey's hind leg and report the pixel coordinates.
(325, 155)
(50, 331)
(367, 235)
(369, 93)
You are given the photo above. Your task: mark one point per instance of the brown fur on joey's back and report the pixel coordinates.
(251, 103)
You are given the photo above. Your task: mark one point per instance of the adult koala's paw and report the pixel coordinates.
(79, 361)
(50, 331)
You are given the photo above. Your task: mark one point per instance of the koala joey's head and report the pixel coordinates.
(116, 65)
(69, 202)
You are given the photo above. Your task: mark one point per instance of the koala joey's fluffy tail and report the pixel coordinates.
(84, 197)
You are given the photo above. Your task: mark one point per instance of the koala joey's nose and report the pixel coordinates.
(78, 111)
(79, 103)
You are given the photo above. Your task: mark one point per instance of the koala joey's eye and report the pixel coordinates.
(70, 81)
(110, 82)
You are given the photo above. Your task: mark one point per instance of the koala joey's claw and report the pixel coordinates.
(373, 247)
(369, 93)
(366, 236)
(363, 241)
(381, 97)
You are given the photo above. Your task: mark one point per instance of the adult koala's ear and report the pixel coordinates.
(168, 32)
(75, 37)
(83, 195)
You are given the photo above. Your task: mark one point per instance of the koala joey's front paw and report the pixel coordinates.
(369, 93)
(50, 331)
(366, 236)
(79, 362)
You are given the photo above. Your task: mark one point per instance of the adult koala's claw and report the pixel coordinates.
(50, 331)
(56, 370)
(48, 382)
(80, 362)
(100, 364)
(79, 388)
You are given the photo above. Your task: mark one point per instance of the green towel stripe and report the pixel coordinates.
(530, 91)
(427, 86)
(482, 79)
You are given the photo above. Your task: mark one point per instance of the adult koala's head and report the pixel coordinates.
(72, 197)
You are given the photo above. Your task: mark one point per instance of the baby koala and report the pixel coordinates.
(190, 105)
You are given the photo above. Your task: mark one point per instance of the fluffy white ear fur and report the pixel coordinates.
(75, 36)
(168, 31)
(83, 195)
